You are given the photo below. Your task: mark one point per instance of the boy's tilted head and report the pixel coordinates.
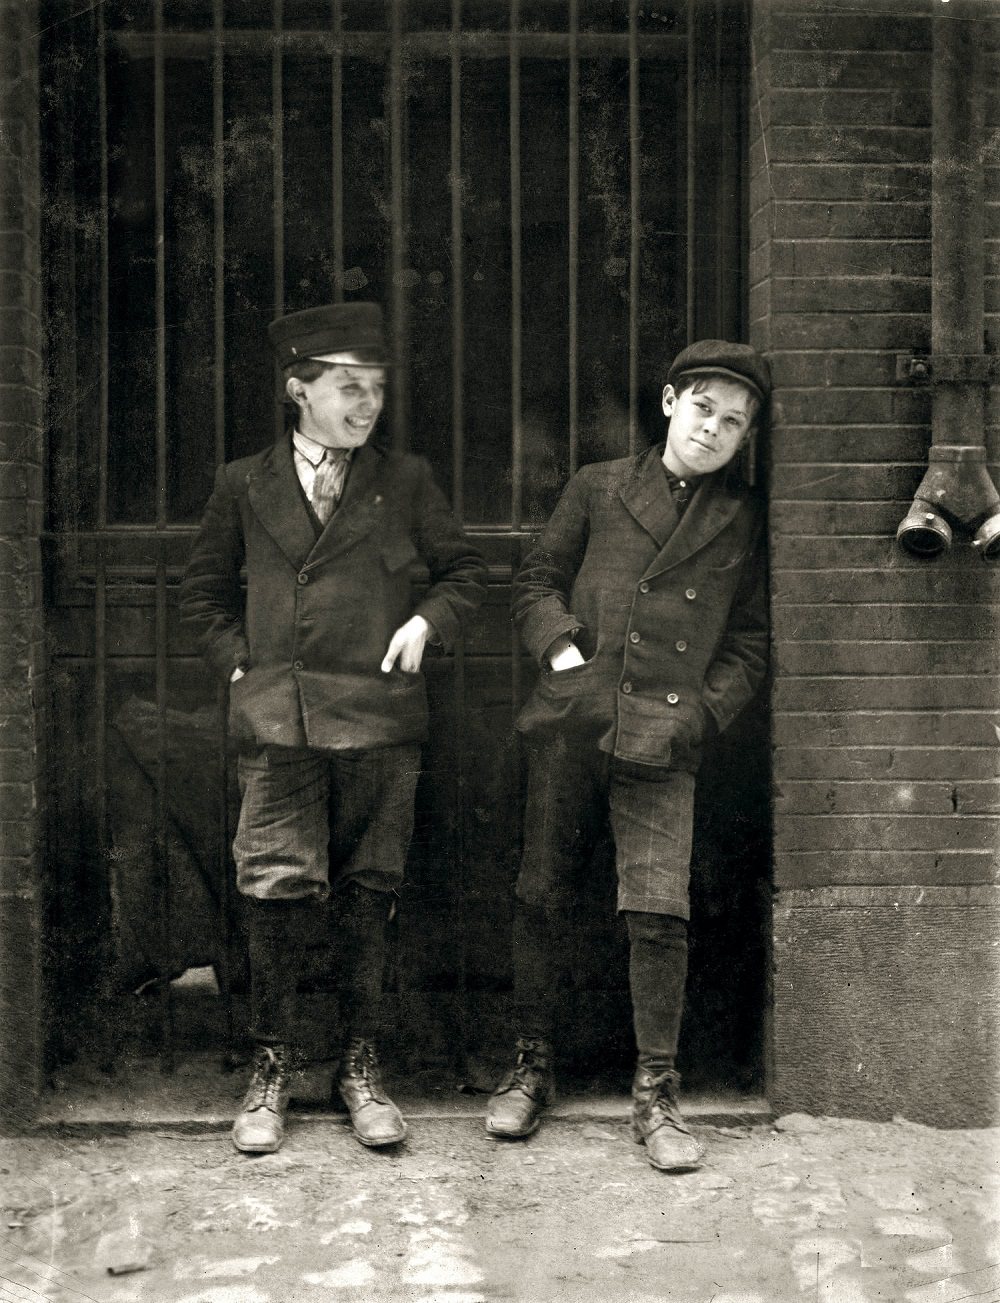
(714, 394)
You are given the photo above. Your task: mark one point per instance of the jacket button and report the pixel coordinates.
(690, 594)
(644, 587)
(303, 577)
(626, 687)
(298, 666)
(681, 645)
(634, 636)
(673, 698)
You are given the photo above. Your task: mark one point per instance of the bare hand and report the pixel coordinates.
(407, 646)
(564, 654)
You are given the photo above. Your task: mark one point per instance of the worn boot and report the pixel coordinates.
(260, 1126)
(515, 1107)
(375, 1118)
(657, 1122)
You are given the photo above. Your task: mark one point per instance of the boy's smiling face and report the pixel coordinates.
(708, 427)
(341, 407)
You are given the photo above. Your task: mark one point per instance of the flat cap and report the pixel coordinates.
(719, 357)
(321, 333)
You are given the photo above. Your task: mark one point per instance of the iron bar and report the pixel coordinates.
(225, 931)
(104, 288)
(337, 135)
(160, 253)
(457, 272)
(573, 235)
(278, 190)
(219, 232)
(162, 844)
(691, 163)
(397, 237)
(634, 227)
(516, 430)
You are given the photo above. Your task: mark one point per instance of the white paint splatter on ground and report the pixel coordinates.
(436, 1257)
(228, 1294)
(350, 1275)
(212, 1270)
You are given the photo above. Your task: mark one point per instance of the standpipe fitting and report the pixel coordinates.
(956, 489)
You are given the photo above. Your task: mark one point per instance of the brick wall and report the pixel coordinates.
(22, 685)
(886, 700)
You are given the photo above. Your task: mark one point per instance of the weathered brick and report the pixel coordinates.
(21, 405)
(20, 366)
(801, 107)
(866, 482)
(829, 404)
(18, 838)
(857, 258)
(20, 480)
(838, 181)
(848, 330)
(848, 69)
(838, 519)
(888, 622)
(895, 583)
(809, 219)
(822, 443)
(895, 832)
(868, 797)
(926, 691)
(900, 762)
(833, 294)
(853, 32)
(920, 867)
(927, 728)
(849, 144)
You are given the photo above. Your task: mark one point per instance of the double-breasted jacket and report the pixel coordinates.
(670, 614)
(321, 607)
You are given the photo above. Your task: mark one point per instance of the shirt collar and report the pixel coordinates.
(314, 452)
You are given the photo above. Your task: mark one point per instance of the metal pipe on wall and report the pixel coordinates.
(957, 488)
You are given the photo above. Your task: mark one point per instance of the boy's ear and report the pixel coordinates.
(669, 398)
(295, 390)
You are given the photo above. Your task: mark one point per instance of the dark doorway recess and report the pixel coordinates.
(549, 200)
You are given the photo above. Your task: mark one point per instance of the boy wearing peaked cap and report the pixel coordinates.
(643, 602)
(323, 655)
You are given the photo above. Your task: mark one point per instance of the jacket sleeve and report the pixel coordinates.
(457, 569)
(739, 664)
(211, 598)
(542, 587)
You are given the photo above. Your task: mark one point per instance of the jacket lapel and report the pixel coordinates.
(276, 497)
(359, 509)
(710, 511)
(646, 494)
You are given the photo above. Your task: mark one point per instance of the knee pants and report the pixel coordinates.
(572, 793)
(312, 820)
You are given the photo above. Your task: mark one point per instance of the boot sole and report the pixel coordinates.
(257, 1149)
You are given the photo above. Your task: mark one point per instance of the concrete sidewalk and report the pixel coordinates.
(797, 1209)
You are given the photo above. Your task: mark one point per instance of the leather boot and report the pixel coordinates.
(515, 1107)
(375, 1118)
(260, 1125)
(657, 1122)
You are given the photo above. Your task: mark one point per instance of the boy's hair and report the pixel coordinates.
(698, 381)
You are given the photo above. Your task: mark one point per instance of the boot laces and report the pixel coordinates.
(267, 1081)
(363, 1068)
(528, 1070)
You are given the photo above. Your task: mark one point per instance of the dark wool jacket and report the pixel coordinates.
(671, 615)
(319, 612)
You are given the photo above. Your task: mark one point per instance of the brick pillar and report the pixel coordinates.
(22, 662)
(887, 669)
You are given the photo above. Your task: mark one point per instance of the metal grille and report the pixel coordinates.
(547, 197)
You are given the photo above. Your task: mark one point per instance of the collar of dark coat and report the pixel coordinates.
(646, 495)
(275, 495)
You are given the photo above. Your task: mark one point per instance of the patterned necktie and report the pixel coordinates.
(328, 483)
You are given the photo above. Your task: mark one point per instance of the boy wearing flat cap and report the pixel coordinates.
(326, 698)
(644, 603)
